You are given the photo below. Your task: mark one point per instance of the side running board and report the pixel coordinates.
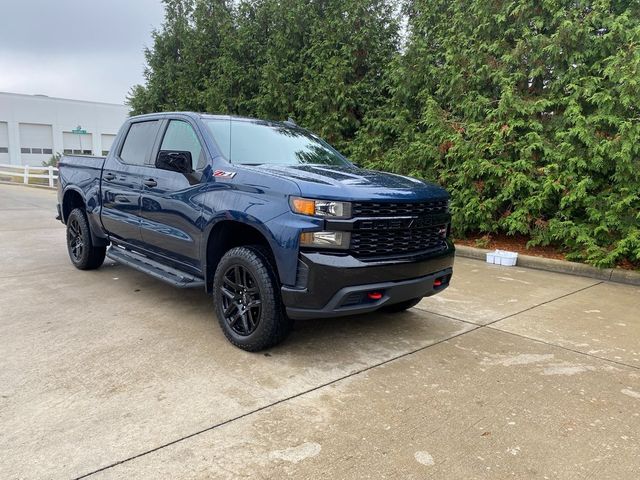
(170, 275)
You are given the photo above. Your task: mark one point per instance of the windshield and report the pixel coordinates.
(257, 143)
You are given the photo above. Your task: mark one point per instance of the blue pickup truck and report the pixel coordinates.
(266, 216)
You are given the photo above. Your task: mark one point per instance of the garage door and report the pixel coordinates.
(36, 143)
(77, 143)
(107, 143)
(4, 143)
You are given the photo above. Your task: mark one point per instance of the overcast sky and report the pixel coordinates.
(87, 50)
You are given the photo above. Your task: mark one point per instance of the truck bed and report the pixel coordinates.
(83, 172)
(80, 170)
(83, 161)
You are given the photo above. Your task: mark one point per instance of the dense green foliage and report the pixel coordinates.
(320, 62)
(527, 111)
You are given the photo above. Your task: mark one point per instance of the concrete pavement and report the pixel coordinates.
(510, 373)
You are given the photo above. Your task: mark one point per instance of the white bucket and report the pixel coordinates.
(502, 257)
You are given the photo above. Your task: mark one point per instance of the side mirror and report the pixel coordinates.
(174, 161)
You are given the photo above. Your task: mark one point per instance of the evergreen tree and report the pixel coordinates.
(351, 44)
(165, 73)
(528, 113)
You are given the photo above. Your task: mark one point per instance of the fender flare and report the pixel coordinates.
(240, 218)
(98, 239)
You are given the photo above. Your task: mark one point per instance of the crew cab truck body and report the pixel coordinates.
(265, 215)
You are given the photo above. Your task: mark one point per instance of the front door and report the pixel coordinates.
(171, 205)
(122, 183)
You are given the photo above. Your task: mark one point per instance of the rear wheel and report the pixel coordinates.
(82, 253)
(402, 306)
(247, 299)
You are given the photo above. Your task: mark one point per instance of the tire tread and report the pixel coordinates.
(95, 255)
(279, 325)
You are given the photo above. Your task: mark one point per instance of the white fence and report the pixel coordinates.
(42, 176)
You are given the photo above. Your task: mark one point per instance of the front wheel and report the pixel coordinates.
(82, 253)
(247, 299)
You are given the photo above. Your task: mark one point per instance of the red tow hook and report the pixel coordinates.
(437, 282)
(374, 295)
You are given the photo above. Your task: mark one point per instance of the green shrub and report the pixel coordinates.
(527, 111)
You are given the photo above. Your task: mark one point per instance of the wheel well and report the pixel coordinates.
(71, 200)
(226, 235)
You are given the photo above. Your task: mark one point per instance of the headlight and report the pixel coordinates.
(320, 208)
(325, 239)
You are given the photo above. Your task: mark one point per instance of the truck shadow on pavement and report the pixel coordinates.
(376, 335)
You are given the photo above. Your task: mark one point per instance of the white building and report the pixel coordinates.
(33, 127)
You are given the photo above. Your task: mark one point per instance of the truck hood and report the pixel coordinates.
(353, 183)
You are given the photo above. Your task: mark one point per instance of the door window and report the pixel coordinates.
(139, 142)
(180, 136)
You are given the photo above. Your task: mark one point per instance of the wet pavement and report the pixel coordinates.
(510, 373)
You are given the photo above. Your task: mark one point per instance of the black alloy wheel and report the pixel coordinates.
(75, 240)
(247, 299)
(82, 252)
(241, 302)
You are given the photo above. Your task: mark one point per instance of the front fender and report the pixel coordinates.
(282, 234)
(285, 233)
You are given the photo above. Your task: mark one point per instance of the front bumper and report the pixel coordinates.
(336, 285)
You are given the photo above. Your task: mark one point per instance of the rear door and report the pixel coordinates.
(171, 206)
(122, 182)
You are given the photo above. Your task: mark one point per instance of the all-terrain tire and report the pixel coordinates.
(255, 265)
(83, 254)
(402, 306)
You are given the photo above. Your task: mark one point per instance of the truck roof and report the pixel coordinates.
(211, 116)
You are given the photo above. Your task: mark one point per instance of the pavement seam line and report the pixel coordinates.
(469, 322)
(491, 326)
(511, 314)
(525, 337)
(366, 369)
(277, 402)
(549, 344)
(545, 303)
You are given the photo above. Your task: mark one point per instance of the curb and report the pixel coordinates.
(618, 275)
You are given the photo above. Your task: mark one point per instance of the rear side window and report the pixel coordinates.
(180, 136)
(139, 142)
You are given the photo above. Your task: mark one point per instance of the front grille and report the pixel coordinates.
(396, 242)
(398, 235)
(384, 209)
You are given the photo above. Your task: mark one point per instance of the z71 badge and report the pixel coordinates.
(223, 174)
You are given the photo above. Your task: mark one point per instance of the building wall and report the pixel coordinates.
(31, 126)
(4, 142)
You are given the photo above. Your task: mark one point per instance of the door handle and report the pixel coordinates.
(108, 176)
(150, 182)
